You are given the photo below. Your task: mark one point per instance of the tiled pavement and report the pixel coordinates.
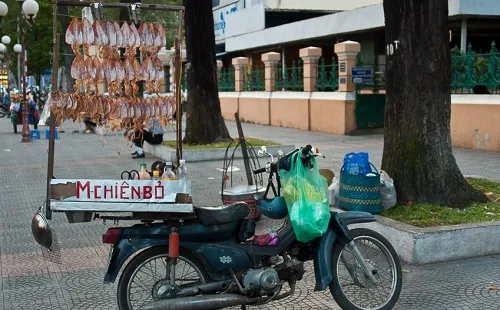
(29, 282)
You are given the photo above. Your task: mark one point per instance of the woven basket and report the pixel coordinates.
(359, 192)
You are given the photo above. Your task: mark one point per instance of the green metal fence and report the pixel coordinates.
(471, 70)
(289, 78)
(255, 79)
(328, 75)
(226, 79)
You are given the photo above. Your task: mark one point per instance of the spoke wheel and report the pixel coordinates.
(351, 288)
(147, 277)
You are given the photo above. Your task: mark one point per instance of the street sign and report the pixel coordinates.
(362, 75)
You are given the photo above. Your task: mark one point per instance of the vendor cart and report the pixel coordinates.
(85, 200)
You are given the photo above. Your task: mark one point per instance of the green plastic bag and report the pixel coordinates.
(306, 195)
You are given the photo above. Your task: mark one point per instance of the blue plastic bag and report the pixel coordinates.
(357, 163)
(306, 196)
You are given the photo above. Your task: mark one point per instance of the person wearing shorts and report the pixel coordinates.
(152, 135)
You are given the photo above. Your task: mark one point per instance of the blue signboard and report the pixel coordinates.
(362, 75)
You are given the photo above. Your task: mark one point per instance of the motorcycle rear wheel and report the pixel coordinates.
(361, 285)
(141, 261)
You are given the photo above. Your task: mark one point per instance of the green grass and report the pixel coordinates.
(429, 215)
(221, 145)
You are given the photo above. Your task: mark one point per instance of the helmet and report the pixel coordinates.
(273, 208)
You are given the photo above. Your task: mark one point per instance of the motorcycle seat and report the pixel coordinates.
(223, 214)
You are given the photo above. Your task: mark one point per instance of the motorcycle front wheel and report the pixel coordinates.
(351, 288)
(147, 275)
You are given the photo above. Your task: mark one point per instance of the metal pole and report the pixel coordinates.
(25, 113)
(52, 124)
(18, 57)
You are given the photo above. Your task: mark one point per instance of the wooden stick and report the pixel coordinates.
(52, 125)
(244, 150)
(178, 90)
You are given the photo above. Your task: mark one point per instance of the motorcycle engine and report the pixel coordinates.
(261, 282)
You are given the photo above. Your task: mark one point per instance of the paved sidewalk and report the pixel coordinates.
(471, 162)
(28, 282)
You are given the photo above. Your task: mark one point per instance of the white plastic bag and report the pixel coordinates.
(388, 196)
(46, 112)
(334, 192)
(45, 116)
(14, 107)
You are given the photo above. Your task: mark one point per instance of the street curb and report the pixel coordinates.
(416, 245)
(168, 154)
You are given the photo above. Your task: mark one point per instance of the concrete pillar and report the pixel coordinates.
(219, 68)
(346, 52)
(270, 61)
(463, 36)
(310, 56)
(240, 64)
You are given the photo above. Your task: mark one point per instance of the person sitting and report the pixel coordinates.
(152, 135)
(89, 125)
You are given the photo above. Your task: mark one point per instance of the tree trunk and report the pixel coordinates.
(205, 123)
(68, 52)
(417, 143)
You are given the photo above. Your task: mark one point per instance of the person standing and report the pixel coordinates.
(6, 97)
(152, 135)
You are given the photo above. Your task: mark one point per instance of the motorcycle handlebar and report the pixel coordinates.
(304, 154)
(259, 170)
(306, 150)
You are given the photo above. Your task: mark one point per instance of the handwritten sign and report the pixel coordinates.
(119, 195)
(147, 191)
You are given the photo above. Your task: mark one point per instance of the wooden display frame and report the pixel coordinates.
(57, 189)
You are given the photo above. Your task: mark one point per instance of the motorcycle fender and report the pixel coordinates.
(336, 232)
(323, 260)
(123, 250)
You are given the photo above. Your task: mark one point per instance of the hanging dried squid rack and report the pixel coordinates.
(55, 200)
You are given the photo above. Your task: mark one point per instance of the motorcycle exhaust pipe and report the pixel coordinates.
(203, 302)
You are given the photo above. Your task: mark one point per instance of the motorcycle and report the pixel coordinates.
(207, 263)
(4, 110)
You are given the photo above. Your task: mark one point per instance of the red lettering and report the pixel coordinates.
(96, 191)
(136, 192)
(123, 193)
(159, 191)
(148, 192)
(108, 190)
(116, 191)
(80, 188)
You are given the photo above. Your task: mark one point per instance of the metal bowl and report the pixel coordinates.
(41, 230)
